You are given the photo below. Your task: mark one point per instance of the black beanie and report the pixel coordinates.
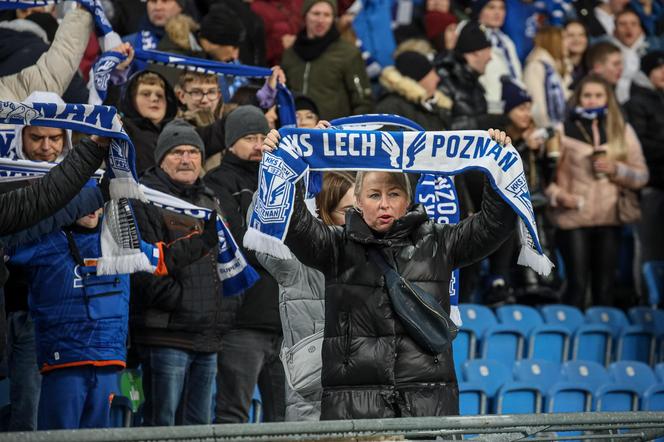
(220, 26)
(413, 64)
(513, 94)
(471, 38)
(652, 60)
(177, 133)
(302, 102)
(245, 120)
(45, 21)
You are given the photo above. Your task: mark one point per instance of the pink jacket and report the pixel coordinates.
(599, 196)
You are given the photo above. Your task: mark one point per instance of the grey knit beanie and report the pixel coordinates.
(245, 120)
(177, 133)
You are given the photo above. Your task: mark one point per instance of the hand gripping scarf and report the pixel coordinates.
(121, 245)
(447, 153)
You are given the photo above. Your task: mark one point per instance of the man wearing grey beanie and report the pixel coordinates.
(250, 351)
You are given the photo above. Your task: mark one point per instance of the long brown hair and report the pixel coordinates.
(550, 38)
(615, 124)
(335, 187)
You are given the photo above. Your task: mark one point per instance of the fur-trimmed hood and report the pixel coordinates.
(181, 31)
(393, 81)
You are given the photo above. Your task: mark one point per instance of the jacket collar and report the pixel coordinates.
(398, 235)
(159, 180)
(250, 167)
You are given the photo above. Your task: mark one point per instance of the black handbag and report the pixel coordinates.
(423, 318)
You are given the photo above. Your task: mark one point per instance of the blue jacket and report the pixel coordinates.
(80, 318)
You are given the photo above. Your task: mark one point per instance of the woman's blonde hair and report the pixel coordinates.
(550, 38)
(335, 187)
(615, 124)
(397, 178)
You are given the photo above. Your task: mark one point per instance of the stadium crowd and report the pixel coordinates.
(574, 85)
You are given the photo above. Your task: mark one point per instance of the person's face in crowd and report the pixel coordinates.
(477, 60)
(617, 6)
(657, 77)
(576, 40)
(90, 221)
(183, 164)
(271, 116)
(430, 82)
(160, 11)
(521, 116)
(151, 102)
(43, 143)
(611, 68)
(628, 29)
(381, 201)
(593, 95)
(319, 20)
(249, 147)
(338, 215)
(198, 95)
(224, 53)
(306, 119)
(492, 14)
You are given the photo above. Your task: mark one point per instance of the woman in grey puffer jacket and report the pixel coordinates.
(302, 307)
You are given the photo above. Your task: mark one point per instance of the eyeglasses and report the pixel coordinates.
(179, 153)
(198, 94)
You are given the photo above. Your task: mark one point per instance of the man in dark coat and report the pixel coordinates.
(250, 351)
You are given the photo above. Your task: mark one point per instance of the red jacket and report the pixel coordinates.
(281, 17)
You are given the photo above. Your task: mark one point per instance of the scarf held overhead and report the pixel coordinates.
(445, 153)
(121, 246)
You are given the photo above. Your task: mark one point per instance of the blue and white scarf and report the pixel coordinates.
(447, 153)
(104, 29)
(235, 273)
(555, 96)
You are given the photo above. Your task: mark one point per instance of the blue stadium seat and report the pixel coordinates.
(642, 315)
(549, 342)
(636, 343)
(653, 272)
(563, 315)
(593, 342)
(616, 397)
(463, 348)
(519, 398)
(610, 316)
(568, 397)
(589, 373)
(633, 373)
(473, 399)
(503, 343)
(256, 410)
(489, 375)
(541, 373)
(659, 371)
(653, 398)
(521, 317)
(477, 318)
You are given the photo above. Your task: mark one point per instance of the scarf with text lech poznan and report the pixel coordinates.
(121, 246)
(446, 153)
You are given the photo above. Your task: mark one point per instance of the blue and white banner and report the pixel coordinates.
(101, 75)
(446, 153)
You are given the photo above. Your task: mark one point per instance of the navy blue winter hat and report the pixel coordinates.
(476, 7)
(513, 94)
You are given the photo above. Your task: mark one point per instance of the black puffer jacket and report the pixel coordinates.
(371, 366)
(234, 182)
(184, 309)
(644, 111)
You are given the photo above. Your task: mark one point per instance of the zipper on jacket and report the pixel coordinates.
(358, 86)
(305, 79)
(99, 295)
(417, 295)
(347, 351)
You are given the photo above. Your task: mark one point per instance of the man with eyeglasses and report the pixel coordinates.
(197, 91)
(177, 321)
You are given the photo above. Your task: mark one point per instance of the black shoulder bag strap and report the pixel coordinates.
(73, 248)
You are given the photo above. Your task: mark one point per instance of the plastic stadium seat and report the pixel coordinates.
(636, 343)
(610, 316)
(541, 373)
(653, 272)
(472, 399)
(590, 373)
(256, 410)
(519, 398)
(463, 348)
(653, 398)
(616, 397)
(503, 343)
(486, 374)
(568, 397)
(521, 317)
(659, 371)
(593, 342)
(477, 318)
(633, 373)
(642, 315)
(550, 342)
(563, 315)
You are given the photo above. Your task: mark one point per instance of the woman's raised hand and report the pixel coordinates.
(271, 141)
(499, 137)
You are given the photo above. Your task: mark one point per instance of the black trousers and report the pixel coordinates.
(591, 256)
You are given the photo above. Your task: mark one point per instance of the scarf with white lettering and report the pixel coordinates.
(110, 38)
(447, 153)
(121, 245)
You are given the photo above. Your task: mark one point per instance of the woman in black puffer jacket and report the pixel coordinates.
(371, 367)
